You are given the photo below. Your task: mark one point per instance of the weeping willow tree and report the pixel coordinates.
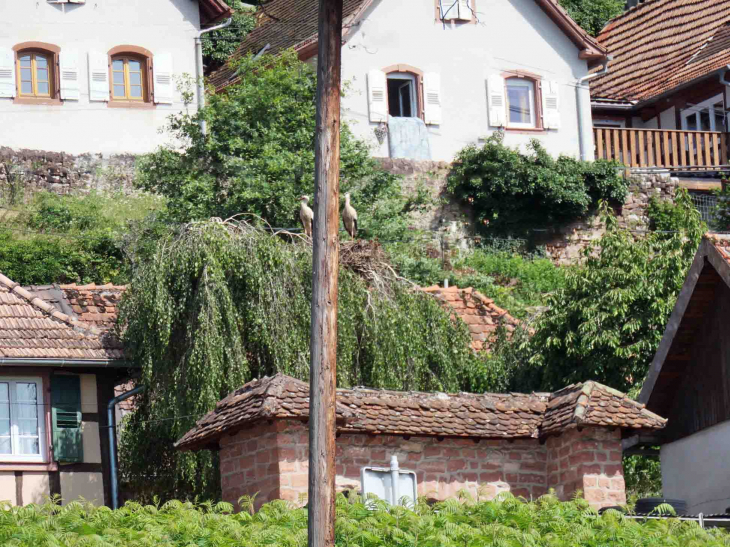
(225, 302)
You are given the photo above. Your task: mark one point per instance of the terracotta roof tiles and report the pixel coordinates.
(480, 313)
(369, 411)
(662, 44)
(30, 327)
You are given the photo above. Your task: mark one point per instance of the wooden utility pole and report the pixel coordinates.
(325, 234)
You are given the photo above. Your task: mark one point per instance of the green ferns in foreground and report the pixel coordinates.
(507, 522)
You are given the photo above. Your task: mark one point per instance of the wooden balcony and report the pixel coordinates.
(664, 148)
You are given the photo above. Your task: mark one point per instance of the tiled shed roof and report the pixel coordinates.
(30, 327)
(288, 24)
(594, 404)
(481, 314)
(369, 411)
(661, 44)
(721, 242)
(94, 304)
(212, 11)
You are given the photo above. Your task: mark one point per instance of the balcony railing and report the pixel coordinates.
(665, 148)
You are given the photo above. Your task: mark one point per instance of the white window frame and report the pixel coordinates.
(406, 76)
(696, 110)
(531, 85)
(26, 458)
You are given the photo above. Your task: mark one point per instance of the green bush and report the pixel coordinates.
(506, 522)
(511, 192)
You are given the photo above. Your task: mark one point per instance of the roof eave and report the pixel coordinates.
(705, 253)
(589, 48)
(41, 362)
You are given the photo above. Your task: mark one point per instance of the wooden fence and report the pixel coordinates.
(662, 148)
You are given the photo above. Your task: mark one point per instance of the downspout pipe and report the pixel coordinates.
(585, 122)
(200, 76)
(113, 441)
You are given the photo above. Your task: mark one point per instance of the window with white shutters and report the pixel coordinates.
(377, 96)
(163, 73)
(98, 76)
(432, 92)
(496, 101)
(69, 75)
(7, 73)
(551, 104)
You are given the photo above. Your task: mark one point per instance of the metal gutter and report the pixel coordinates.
(113, 442)
(199, 68)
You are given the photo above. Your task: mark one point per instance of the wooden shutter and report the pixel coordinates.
(497, 102)
(378, 96)
(66, 418)
(7, 72)
(69, 75)
(432, 92)
(98, 76)
(551, 104)
(162, 68)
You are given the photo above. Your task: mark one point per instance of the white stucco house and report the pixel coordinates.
(424, 78)
(82, 76)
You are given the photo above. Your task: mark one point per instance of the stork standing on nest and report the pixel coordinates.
(349, 217)
(306, 215)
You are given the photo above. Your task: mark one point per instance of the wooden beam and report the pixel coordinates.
(326, 250)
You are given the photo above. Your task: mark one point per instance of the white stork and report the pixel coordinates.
(306, 215)
(349, 217)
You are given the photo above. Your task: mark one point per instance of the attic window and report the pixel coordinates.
(455, 10)
(402, 101)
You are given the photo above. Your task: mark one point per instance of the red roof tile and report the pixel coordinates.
(212, 11)
(662, 44)
(370, 411)
(94, 304)
(30, 327)
(480, 313)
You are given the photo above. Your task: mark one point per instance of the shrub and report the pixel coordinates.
(504, 522)
(511, 192)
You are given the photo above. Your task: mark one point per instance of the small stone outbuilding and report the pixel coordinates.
(569, 440)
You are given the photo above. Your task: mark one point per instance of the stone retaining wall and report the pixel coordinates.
(23, 172)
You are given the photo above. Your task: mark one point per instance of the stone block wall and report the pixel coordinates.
(590, 461)
(271, 460)
(567, 244)
(34, 170)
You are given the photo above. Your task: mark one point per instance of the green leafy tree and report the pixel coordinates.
(222, 303)
(219, 45)
(259, 155)
(593, 15)
(512, 192)
(608, 320)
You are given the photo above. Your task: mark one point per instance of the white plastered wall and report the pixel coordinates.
(161, 26)
(510, 35)
(697, 469)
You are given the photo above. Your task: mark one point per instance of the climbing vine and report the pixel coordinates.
(225, 302)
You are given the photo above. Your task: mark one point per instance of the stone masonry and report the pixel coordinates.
(24, 172)
(271, 460)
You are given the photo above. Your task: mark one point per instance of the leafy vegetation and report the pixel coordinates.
(222, 303)
(219, 45)
(258, 157)
(67, 239)
(511, 192)
(608, 320)
(517, 281)
(504, 522)
(593, 15)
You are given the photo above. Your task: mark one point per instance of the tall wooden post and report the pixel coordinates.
(323, 342)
